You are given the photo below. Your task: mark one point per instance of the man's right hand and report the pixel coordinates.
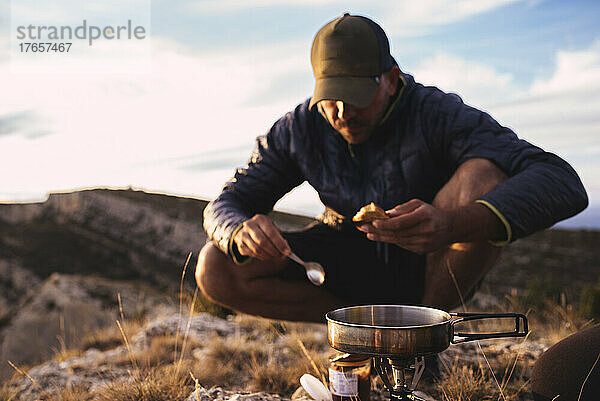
(260, 239)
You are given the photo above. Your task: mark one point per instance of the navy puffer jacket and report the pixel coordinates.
(415, 151)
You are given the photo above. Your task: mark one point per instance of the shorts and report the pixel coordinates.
(357, 270)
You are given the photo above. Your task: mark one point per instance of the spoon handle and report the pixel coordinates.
(296, 259)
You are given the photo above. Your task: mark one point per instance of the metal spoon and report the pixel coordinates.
(314, 270)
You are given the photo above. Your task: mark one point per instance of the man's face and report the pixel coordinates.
(356, 124)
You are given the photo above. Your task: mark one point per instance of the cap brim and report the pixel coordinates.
(357, 91)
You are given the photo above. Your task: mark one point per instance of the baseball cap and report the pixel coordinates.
(348, 55)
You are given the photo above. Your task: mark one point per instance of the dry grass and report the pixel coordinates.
(109, 337)
(271, 356)
(7, 393)
(267, 355)
(460, 383)
(102, 340)
(72, 393)
(160, 383)
(550, 322)
(503, 379)
(225, 362)
(270, 377)
(265, 360)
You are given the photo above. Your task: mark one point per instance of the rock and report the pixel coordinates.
(469, 352)
(218, 394)
(95, 368)
(86, 372)
(62, 309)
(15, 282)
(300, 394)
(168, 227)
(200, 327)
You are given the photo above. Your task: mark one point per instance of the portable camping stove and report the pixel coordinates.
(398, 337)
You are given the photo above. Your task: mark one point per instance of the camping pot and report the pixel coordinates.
(399, 331)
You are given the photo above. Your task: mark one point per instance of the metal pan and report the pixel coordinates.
(398, 331)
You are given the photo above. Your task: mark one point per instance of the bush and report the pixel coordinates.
(542, 289)
(589, 301)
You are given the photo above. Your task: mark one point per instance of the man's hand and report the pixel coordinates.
(415, 225)
(260, 239)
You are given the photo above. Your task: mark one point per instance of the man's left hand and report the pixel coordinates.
(415, 225)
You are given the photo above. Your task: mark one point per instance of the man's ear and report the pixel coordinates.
(391, 79)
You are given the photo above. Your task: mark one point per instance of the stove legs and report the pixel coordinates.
(401, 371)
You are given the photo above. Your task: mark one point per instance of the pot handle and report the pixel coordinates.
(521, 327)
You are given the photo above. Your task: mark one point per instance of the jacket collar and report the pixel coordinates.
(394, 102)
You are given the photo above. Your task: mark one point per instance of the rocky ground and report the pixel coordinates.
(94, 370)
(74, 265)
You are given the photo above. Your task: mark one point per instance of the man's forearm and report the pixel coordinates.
(475, 222)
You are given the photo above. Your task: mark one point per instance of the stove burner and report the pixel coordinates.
(401, 370)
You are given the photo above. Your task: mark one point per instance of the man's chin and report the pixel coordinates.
(356, 141)
(355, 138)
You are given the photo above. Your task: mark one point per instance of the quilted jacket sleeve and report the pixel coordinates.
(542, 188)
(270, 173)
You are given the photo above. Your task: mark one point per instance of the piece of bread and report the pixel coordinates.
(368, 213)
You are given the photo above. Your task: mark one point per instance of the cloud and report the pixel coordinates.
(22, 123)
(215, 160)
(410, 18)
(560, 113)
(401, 18)
(68, 11)
(476, 83)
(577, 70)
(565, 107)
(110, 128)
(223, 6)
(566, 101)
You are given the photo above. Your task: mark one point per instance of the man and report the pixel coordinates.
(456, 186)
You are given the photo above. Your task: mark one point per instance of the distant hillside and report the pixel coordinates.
(119, 234)
(134, 235)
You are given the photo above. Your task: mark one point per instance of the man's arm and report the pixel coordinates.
(542, 188)
(270, 173)
(422, 228)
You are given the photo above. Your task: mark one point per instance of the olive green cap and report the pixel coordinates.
(348, 56)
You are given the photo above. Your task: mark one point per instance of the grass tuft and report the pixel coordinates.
(161, 383)
(74, 393)
(589, 301)
(7, 393)
(463, 382)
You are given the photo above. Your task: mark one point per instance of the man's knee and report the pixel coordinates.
(479, 171)
(473, 179)
(211, 272)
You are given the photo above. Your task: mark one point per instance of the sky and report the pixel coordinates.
(178, 111)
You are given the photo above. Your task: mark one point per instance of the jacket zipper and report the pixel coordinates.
(351, 150)
(382, 247)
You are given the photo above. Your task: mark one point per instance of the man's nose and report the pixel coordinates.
(345, 110)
